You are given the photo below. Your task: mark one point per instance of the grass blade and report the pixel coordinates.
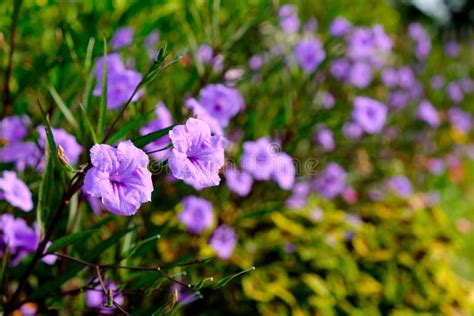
(63, 107)
(129, 126)
(146, 139)
(103, 98)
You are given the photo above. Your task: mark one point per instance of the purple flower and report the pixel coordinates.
(120, 87)
(331, 182)
(13, 129)
(452, 48)
(467, 85)
(406, 77)
(163, 120)
(220, 102)
(239, 182)
(115, 64)
(352, 130)
(218, 63)
(421, 38)
(258, 158)
(197, 214)
(71, 147)
(15, 191)
(309, 54)
(203, 115)
(23, 154)
(398, 99)
(288, 18)
(122, 38)
(436, 166)
(256, 62)
(400, 185)
(325, 139)
(454, 92)
(369, 114)
(381, 40)
(340, 68)
(284, 171)
(390, 77)
(340, 27)
(96, 298)
(328, 100)
(460, 119)
(360, 75)
(427, 113)
(361, 44)
(120, 177)
(311, 25)
(437, 82)
(299, 195)
(197, 156)
(151, 39)
(205, 54)
(223, 241)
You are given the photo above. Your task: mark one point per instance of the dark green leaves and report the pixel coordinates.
(129, 126)
(69, 240)
(146, 139)
(103, 98)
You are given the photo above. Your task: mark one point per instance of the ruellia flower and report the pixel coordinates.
(96, 298)
(257, 158)
(15, 191)
(223, 241)
(369, 114)
(122, 38)
(400, 185)
(284, 171)
(119, 177)
(220, 102)
(309, 54)
(68, 142)
(197, 155)
(427, 113)
(331, 182)
(238, 181)
(197, 214)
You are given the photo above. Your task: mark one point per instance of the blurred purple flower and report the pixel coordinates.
(218, 63)
(369, 114)
(325, 138)
(352, 130)
(122, 38)
(289, 20)
(115, 64)
(360, 75)
(311, 25)
(436, 166)
(15, 191)
(120, 177)
(340, 68)
(220, 102)
(256, 62)
(452, 48)
(437, 82)
(360, 44)
(381, 40)
(309, 54)
(340, 27)
(421, 38)
(120, 87)
(427, 113)
(202, 114)
(13, 129)
(205, 54)
(151, 40)
(283, 171)
(459, 119)
(328, 100)
(331, 182)
(197, 214)
(163, 120)
(398, 99)
(467, 85)
(239, 182)
(258, 158)
(223, 241)
(72, 149)
(96, 298)
(299, 195)
(454, 92)
(390, 77)
(23, 154)
(400, 185)
(406, 77)
(197, 156)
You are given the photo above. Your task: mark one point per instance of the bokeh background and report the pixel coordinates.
(374, 248)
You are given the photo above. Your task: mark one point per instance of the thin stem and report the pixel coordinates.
(8, 72)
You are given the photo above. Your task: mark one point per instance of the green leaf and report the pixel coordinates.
(199, 285)
(45, 190)
(103, 98)
(75, 268)
(4, 269)
(129, 126)
(134, 248)
(63, 107)
(224, 281)
(70, 239)
(146, 139)
(88, 124)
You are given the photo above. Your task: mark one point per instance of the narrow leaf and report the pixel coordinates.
(70, 239)
(103, 99)
(130, 251)
(146, 139)
(63, 107)
(129, 126)
(45, 189)
(226, 280)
